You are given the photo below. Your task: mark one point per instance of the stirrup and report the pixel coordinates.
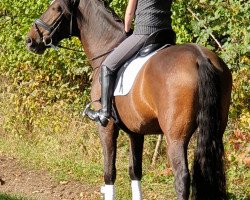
(84, 112)
(87, 107)
(100, 119)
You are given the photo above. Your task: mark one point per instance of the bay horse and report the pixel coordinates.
(179, 90)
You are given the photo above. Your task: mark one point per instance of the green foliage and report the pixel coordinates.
(240, 109)
(119, 7)
(227, 21)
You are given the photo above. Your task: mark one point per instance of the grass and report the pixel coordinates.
(69, 148)
(4, 196)
(66, 163)
(73, 151)
(84, 163)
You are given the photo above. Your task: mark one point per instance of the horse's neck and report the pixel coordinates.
(99, 31)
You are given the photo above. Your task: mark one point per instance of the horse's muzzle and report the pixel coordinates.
(35, 47)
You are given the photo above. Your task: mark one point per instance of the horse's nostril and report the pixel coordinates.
(29, 41)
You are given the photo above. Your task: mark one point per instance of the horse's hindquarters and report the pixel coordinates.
(165, 89)
(165, 93)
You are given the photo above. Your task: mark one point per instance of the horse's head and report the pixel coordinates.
(56, 23)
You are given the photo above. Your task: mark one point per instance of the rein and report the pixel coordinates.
(75, 50)
(80, 51)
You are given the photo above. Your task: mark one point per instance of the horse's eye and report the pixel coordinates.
(57, 9)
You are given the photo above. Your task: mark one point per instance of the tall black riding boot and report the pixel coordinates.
(107, 88)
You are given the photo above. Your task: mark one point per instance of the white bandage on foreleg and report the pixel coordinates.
(136, 190)
(108, 192)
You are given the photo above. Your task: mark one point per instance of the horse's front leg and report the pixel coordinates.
(108, 137)
(135, 164)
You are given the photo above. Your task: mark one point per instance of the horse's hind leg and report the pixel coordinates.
(135, 164)
(177, 135)
(177, 153)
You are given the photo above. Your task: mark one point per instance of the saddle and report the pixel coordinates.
(157, 40)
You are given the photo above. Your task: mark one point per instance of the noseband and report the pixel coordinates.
(50, 28)
(54, 27)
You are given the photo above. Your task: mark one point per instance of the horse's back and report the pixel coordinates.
(177, 67)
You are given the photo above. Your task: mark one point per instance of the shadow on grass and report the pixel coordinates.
(238, 197)
(11, 197)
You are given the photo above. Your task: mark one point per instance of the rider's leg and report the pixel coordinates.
(109, 68)
(107, 84)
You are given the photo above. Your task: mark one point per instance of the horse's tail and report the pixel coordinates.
(208, 181)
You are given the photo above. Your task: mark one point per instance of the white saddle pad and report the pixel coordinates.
(127, 74)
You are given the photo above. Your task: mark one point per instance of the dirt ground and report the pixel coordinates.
(16, 179)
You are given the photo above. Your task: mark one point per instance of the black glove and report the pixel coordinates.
(129, 33)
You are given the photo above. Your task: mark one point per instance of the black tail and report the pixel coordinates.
(208, 171)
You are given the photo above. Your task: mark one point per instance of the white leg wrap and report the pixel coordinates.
(136, 190)
(108, 192)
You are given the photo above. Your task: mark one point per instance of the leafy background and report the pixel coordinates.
(41, 96)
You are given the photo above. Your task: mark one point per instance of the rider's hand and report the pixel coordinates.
(130, 32)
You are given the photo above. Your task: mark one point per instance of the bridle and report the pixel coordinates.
(54, 27)
(48, 42)
(50, 28)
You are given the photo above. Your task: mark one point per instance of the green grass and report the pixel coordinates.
(85, 164)
(67, 163)
(4, 196)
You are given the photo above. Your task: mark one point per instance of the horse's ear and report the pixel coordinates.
(107, 2)
(52, 2)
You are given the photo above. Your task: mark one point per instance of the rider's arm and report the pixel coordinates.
(129, 14)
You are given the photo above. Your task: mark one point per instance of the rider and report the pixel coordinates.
(150, 16)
